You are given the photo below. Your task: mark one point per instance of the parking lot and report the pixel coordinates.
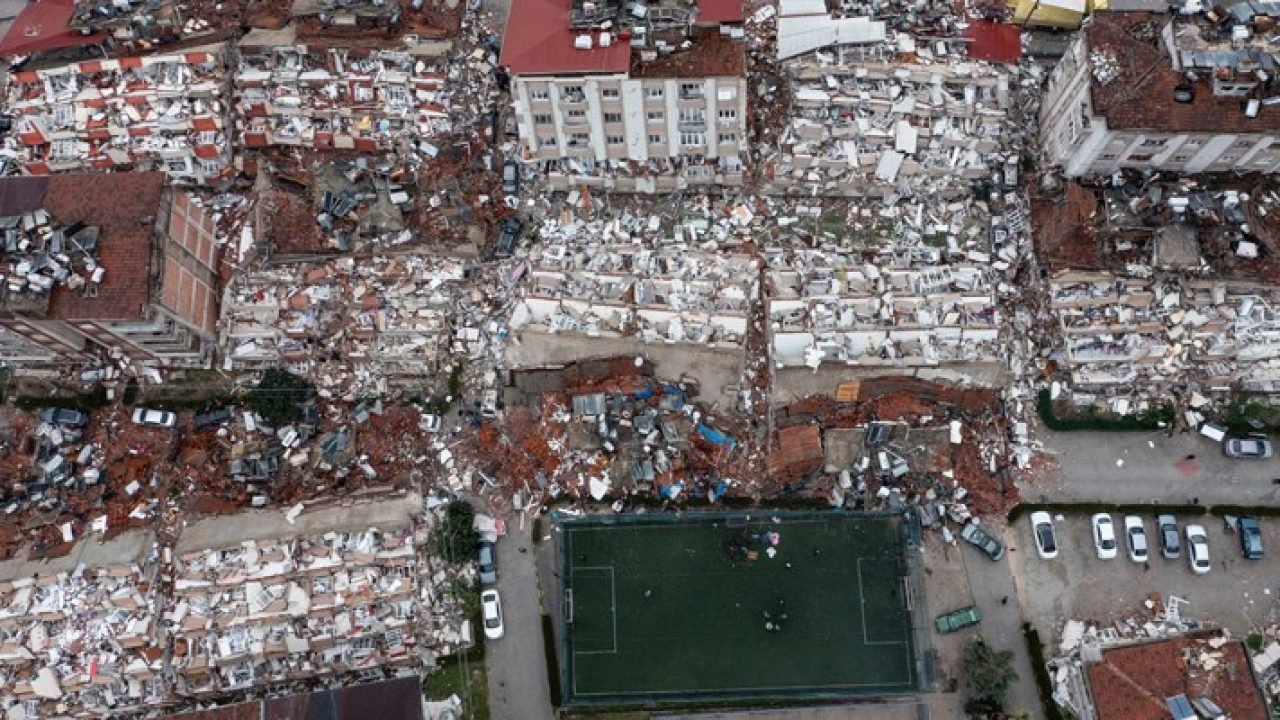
(1238, 594)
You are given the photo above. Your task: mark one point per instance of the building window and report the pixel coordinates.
(548, 141)
(538, 94)
(1193, 142)
(1108, 156)
(615, 140)
(613, 117)
(542, 119)
(692, 115)
(578, 139)
(653, 92)
(572, 93)
(1242, 144)
(177, 165)
(610, 93)
(1181, 158)
(210, 167)
(690, 90)
(728, 114)
(1229, 159)
(654, 115)
(655, 139)
(726, 93)
(728, 138)
(693, 139)
(207, 137)
(1153, 143)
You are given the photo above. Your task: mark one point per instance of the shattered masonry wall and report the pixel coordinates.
(161, 111)
(863, 126)
(279, 611)
(388, 316)
(86, 640)
(661, 294)
(339, 98)
(836, 307)
(1119, 332)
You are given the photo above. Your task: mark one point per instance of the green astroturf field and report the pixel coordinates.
(670, 610)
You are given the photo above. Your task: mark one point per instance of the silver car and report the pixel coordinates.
(155, 418)
(1247, 448)
(1167, 531)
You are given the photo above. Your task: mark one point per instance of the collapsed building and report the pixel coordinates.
(387, 319)
(630, 97)
(880, 113)
(165, 112)
(82, 638)
(1195, 93)
(368, 94)
(97, 265)
(1163, 286)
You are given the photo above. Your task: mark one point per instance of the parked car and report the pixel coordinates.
(487, 560)
(1167, 530)
(218, 416)
(982, 541)
(957, 619)
(1251, 447)
(1104, 536)
(1250, 537)
(1136, 539)
(157, 418)
(510, 177)
(508, 237)
(1198, 549)
(66, 417)
(491, 610)
(1046, 540)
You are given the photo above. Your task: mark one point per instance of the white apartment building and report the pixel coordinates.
(646, 102)
(1145, 90)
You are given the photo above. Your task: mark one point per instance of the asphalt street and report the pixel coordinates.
(516, 664)
(991, 584)
(1146, 467)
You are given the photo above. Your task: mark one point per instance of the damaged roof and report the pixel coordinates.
(1140, 82)
(543, 43)
(43, 26)
(1132, 683)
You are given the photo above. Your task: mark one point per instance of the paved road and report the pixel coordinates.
(1153, 468)
(517, 665)
(989, 584)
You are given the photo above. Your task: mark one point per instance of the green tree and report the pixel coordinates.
(988, 675)
(456, 538)
(279, 396)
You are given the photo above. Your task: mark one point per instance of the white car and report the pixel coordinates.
(1198, 549)
(157, 418)
(1136, 539)
(491, 611)
(1104, 536)
(1046, 540)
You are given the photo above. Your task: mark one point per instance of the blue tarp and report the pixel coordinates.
(644, 394)
(716, 436)
(720, 489)
(671, 491)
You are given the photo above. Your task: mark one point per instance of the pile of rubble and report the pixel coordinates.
(1168, 285)
(161, 111)
(38, 256)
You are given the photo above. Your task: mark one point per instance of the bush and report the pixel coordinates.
(1254, 642)
(988, 674)
(131, 391)
(1159, 416)
(1040, 669)
(1022, 509)
(456, 538)
(1239, 510)
(279, 396)
(87, 402)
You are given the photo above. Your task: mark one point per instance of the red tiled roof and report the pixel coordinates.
(116, 203)
(539, 41)
(1141, 96)
(720, 11)
(1131, 683)
(43, 26)
(994, 41)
